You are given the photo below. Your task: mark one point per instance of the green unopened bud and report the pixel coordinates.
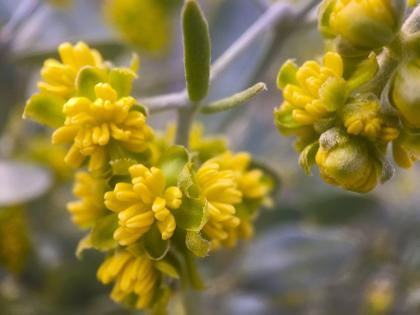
(406, 93)
(345, 161)
(367, 24)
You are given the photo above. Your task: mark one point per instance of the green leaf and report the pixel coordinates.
(167, 268)
(155, 247)
(172, 163)
(247, 208)
(84, 243)
(197, 50)
(102, 235)
(324, 11)
(198, 243)
(233, 101)
(193, 213)
(364, 72)
(118, 153)
(334, 94)
(137, 249)
(307, 157)
(121, 80)
(46, 108)
(86, 80)
(287, 74)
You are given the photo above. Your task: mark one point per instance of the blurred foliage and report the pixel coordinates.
(14, 242)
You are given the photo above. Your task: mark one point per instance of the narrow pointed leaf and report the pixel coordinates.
(364, 72)
(233, 101)
(197, 50)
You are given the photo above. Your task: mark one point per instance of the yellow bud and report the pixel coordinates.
(367, 24)
(347, 162)
(406, 93)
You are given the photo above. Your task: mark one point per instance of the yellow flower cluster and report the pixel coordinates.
(142, 202)
(145, 201)
(311, 109)
(132, 274)
(91, 206)
(305, 96)
(59, 77)
(226, 182)
(91, 126)
(344, 132)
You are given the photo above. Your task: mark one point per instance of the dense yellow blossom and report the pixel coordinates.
(143, 202)
(59, 77)
(92, 125)
(306, 97)
(225, 181)
(132, 274)
(91, 206)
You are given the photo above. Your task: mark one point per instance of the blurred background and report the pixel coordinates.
(319, 251)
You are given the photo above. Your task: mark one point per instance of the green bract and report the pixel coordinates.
(46, 108)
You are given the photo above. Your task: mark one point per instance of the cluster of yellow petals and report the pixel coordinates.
(59, 77)
(91, 125)
(311, 77)
(225, 180)
(366, 122)
(132, 274)
(91, 207)
(142, 202)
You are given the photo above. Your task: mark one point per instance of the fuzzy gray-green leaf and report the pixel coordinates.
(233, 101)
(196, 50)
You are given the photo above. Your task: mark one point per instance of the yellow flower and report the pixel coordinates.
(311, 78)
(142, 202)
(347, 163)
(132, 274)
(59, 77)
(91, 206)
(142, 22)
(220, 190)
(364, 119)
(249, 182)
(91, 126)
(367, 23)
(226, 181)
